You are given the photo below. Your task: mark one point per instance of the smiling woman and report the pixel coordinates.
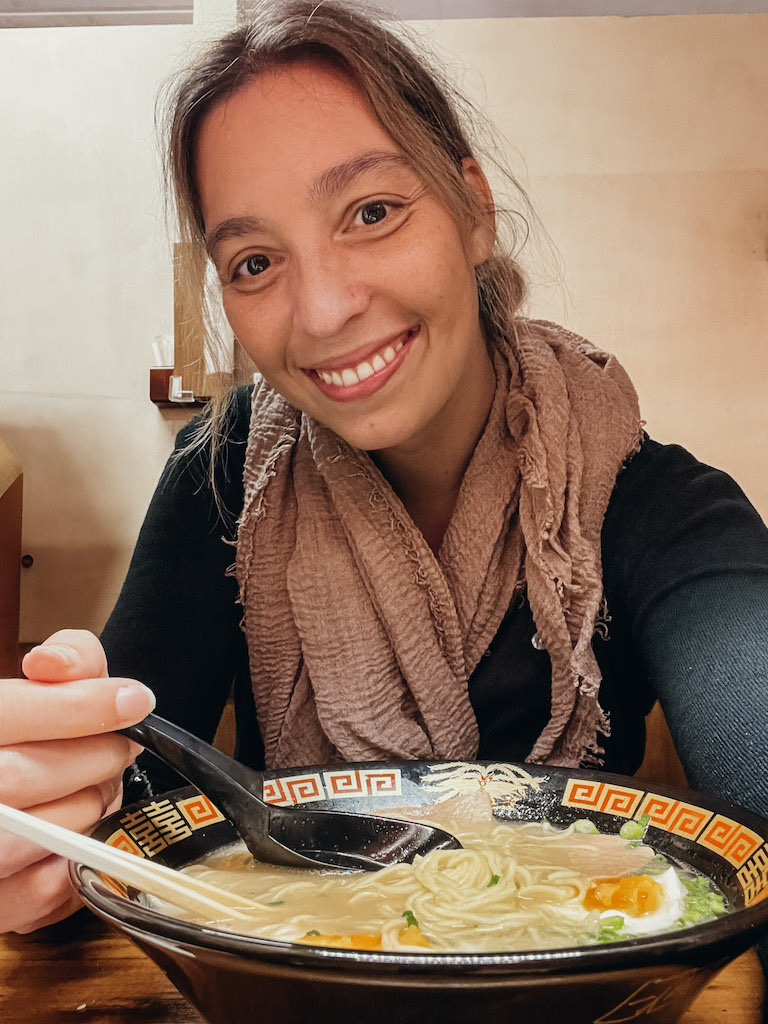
(344, 263)
(409, 112)
(453, 538)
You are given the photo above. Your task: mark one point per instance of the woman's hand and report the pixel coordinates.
(60, 760)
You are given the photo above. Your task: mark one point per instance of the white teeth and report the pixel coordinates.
(349, 376)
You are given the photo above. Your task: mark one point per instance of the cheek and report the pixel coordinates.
(259, 329)
(429, 276)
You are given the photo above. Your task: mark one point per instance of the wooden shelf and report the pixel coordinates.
(159, 390)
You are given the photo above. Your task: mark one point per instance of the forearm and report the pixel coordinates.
(705, 646)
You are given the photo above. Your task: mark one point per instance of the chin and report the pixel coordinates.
(374, 440)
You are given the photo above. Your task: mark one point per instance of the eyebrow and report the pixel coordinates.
(232, 227)
(328, 184)
(333, 181)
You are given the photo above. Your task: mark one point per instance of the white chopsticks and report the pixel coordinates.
(165, 883)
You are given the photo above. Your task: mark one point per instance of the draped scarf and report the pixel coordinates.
(361, 640)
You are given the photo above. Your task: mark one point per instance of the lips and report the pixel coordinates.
(358, 375)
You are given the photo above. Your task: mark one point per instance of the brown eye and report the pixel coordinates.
(252, 266)
(373, 213)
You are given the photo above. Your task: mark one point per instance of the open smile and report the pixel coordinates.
(349, 378)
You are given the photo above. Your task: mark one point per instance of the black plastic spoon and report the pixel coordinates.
(282, 835)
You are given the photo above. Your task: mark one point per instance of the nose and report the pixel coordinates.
(328, 292)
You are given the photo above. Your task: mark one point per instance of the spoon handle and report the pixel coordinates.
(232, 786)
(285, 835)
(228, 783)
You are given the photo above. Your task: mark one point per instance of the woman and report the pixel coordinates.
(453, 538)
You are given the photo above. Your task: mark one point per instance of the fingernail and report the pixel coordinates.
(133, 702)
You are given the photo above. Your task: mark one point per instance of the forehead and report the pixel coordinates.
(282, 129)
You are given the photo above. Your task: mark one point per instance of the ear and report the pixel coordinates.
(483, 233)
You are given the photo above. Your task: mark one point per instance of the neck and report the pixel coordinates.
(427, 472)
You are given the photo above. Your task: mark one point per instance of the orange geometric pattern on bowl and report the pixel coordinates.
(199, 811)
(363, 782)
(601, 796)
(734, 842)
(753, 877)
(288, 791)
(161, 823)
(122, 841)
(675, 816)
(294, 789)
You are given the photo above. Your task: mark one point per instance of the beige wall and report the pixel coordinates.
(646, 144)
(86, 288)
(647, 159)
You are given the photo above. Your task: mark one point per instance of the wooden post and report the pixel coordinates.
(199, 371)
(11, 485)
(188, 327)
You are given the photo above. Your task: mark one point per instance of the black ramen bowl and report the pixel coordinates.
(238, 979)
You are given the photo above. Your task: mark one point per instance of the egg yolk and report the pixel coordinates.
(413, 936)
(410, 936)
(341, 941)
(635, 896)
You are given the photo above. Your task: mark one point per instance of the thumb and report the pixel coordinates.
(67, 654)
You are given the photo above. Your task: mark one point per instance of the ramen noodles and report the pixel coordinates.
(513, 886)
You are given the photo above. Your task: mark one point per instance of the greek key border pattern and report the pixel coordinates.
(735, 843)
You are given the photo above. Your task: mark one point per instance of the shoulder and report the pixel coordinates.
(208, 467)
(672, 519)
(665, 483)
(234, 425)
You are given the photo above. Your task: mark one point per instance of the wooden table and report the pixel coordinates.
(82, 971)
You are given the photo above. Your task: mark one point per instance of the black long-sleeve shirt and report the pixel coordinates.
(685, 570)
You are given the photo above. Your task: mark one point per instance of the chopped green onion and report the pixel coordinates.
(584, 827)
(410, 919)
(611, 929)
(657, 865)
(313, 932)
(701, 902)
(494, 881)
(634, 830)
(278, 903)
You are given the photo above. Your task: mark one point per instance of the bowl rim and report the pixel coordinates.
(736, 930)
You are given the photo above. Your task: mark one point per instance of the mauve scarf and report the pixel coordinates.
(362, 641)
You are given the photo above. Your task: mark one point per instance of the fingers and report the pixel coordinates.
(67, 654)
(34, 896)
(37, 773)
(78, 812)
(70, 906)
(35, 711)
(61, 760)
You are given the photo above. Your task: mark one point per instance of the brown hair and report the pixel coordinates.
(423, 114)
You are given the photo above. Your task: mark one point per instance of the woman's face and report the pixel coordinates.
(346, 282)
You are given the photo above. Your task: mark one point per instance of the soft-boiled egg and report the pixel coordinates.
(646, 904)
